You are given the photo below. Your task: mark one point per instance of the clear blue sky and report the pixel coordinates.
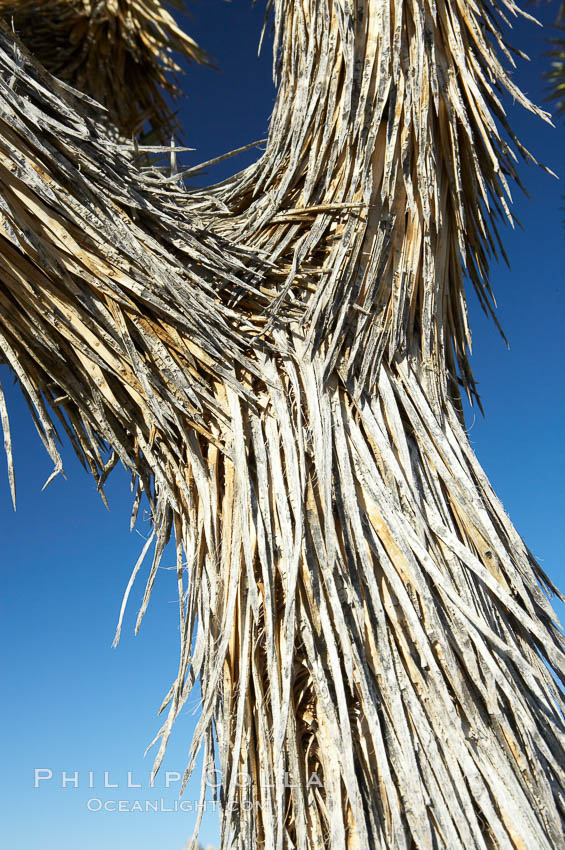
(70, 702)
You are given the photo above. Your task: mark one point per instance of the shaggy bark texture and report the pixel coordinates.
(277, 360)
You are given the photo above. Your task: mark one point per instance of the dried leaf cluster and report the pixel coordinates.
(120, 52)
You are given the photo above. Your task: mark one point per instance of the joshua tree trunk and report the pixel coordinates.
(278, 361)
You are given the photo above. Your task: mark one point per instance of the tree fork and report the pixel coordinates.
(277, 361)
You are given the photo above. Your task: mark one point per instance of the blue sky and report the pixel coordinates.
(71, 702)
